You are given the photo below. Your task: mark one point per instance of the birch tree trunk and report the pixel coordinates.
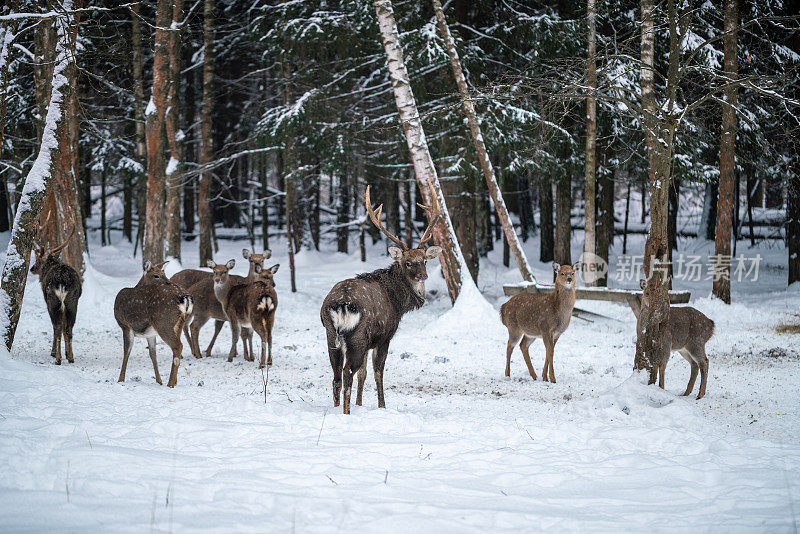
(727, 160)
(55, 126)
(454, 266)
(174, 136)
(154, 133)
(480, 147)
(650, 351)
(590, 188)
(204, 213)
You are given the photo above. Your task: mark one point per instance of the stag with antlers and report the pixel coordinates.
(363, 313)
(61, 286)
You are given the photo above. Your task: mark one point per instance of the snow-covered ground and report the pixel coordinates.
(459, 449)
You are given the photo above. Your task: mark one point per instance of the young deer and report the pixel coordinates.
(61, 287)
(189, 277)
(363, 313)
(688, 331)
(528, 316)
(208, 295)
(252, 305)
(155, 306)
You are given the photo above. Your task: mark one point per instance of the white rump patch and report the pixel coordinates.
(186, 306)
(61, 293)
(266, 303)
(344, 321)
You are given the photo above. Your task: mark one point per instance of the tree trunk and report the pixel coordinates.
(751, 187)
(727, 160)
(62, 202)
(190, 118)
(154, 134)
(138, 117)
(264, 178)
(343, 214)
(793, 228)
(625, 228)
(408, 223)
(547, 239)
(452, 260)
(605, 222)
(590, 189)
(457, 192)
(480, 147)
(55, 128)
(103, 228)
(660, 132)
(204, 212)
(561, 249)
(174, 136)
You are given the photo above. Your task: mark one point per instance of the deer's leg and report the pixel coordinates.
(194, 341)
(347, 378)
(177, 348)
(55, 352)
(336, 355)
(513, 338)
(262, 333)
(362, 376)
(235, 331)
(692, 378)
(549, 346)
(127, 344)
(217, 327)
(524, 345)
(247, 344)
(703, 372)
(378, 363)
(69, 320)
(151, 347)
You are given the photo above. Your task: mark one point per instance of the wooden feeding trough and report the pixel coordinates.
(633, 297)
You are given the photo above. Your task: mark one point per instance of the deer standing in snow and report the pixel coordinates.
(61, 287)
(154, 307)
(208, 294)
(363, 313)
(529, 316)
(688, 330)
(252, 305)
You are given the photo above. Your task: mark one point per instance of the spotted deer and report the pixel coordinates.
(154, 307)
(188, 277)
(61, 287)
(252, 305)
(529, 316)
(363, 313)
(688, 331)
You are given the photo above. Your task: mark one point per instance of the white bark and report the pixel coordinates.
(480, 148)
(455, 268)
(15, 270)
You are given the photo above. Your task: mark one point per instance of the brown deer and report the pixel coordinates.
(363, 313)
(528, 316)
(208, 294)
(61, 287)
(688, 331)
(252, 305)
(154, 307)
(188, 277)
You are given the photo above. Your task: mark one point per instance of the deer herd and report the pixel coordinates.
(359, 314)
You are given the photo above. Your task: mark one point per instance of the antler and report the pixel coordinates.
(375, 217)
(65, 243)
(428, 234)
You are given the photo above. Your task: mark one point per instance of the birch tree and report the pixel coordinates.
(15, 270)
(480, 147)
(454, 267)
(590, 188)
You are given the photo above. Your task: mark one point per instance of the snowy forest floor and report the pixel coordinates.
(459, 449)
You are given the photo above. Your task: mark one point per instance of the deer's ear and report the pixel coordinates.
(147, 265)
(162, 264)
(274, 268)
(230, 264)
(433, 252)
(211, 263)
(267, 254)
(245, 253)
(396, 253)
(556, 266)
(642, 283)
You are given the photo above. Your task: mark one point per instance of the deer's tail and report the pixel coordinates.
(185, 305)
(345, 317)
